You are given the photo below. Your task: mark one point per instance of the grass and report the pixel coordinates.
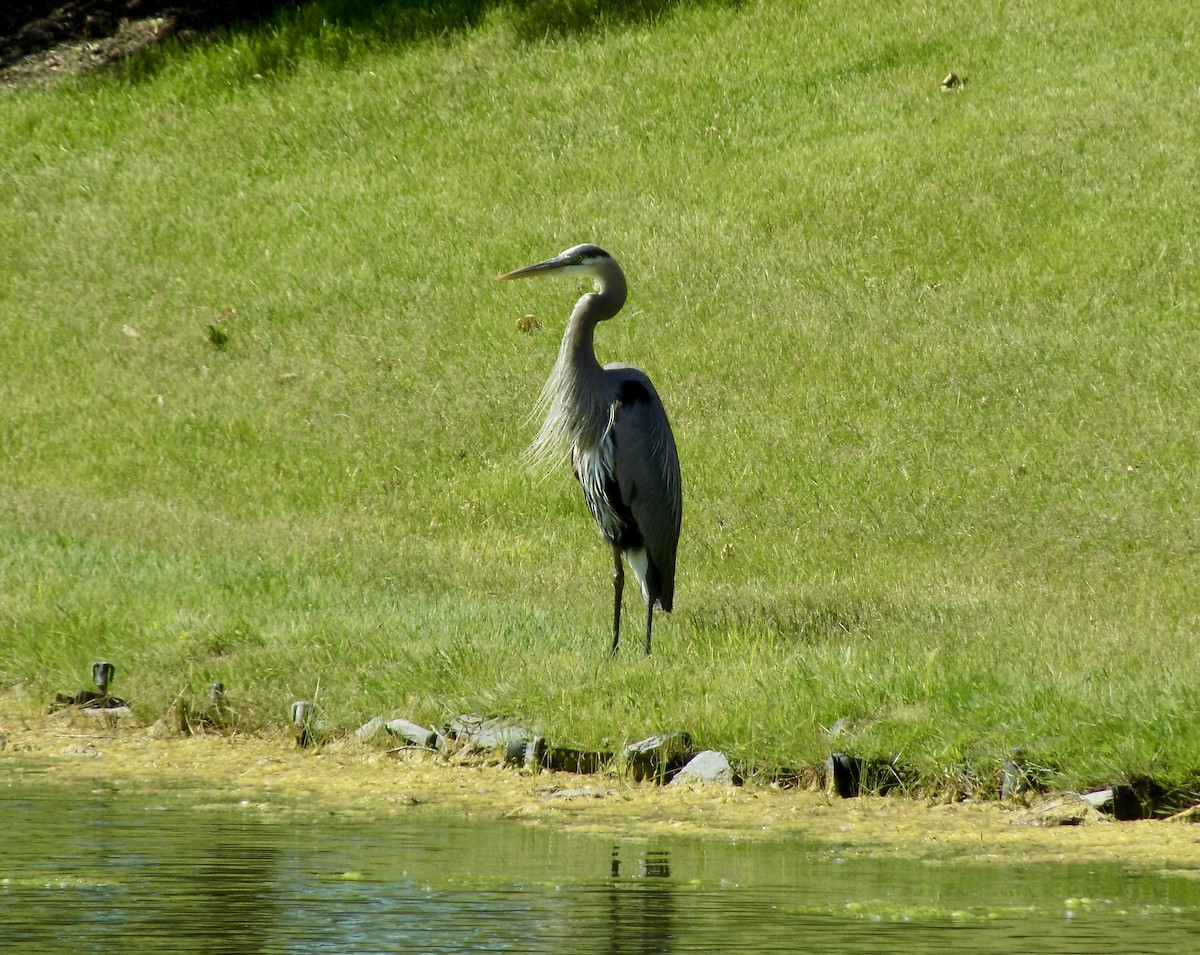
(930, 359)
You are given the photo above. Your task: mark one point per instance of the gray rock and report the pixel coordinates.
(658, 757)
(405, 731)
(370, 729)
(1125, 801)
(1189, 815)
(1067, 809)
(481, 732)
(709, 766)
(663, 743)
(1100, 799)
(110, 713)
(415, 733)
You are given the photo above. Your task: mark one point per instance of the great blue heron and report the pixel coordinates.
(622, 449)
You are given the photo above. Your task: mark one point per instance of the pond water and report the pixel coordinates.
(107, 871)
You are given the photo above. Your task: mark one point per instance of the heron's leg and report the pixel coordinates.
(618, 588)
(649, 624)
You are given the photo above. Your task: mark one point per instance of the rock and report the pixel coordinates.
(658, 757)
(110, 713)
(708, 767)
(86, 750)
(563, 759)
(1100, 799)
(479, 732)
(1069, 809)
(406, 731)
(1189, 815)
(415, 733)
(370, 729)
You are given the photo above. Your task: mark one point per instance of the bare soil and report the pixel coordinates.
(44, 39)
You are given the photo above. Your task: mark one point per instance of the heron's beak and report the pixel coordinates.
(538, 268)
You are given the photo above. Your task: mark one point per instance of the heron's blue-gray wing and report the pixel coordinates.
(646, 468)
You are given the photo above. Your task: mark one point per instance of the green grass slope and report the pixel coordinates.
(931, 360)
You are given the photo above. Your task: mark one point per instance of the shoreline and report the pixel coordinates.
(272, 777)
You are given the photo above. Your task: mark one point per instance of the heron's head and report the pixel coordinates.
(584, 260)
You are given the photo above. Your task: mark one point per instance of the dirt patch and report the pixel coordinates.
(275, 776)
(41, 40)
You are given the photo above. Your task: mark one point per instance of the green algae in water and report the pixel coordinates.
(103, 871)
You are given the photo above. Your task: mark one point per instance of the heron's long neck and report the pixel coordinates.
(577, 404)
(577, 356)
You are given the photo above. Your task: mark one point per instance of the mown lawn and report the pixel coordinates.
(930, 359)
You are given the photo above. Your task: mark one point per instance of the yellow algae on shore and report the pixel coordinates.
(273, 776)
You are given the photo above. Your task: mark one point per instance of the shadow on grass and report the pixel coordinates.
(532, 19)
(817, 619)
(274, 38)
(810, 620)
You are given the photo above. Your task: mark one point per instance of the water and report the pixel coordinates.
(103, 871)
